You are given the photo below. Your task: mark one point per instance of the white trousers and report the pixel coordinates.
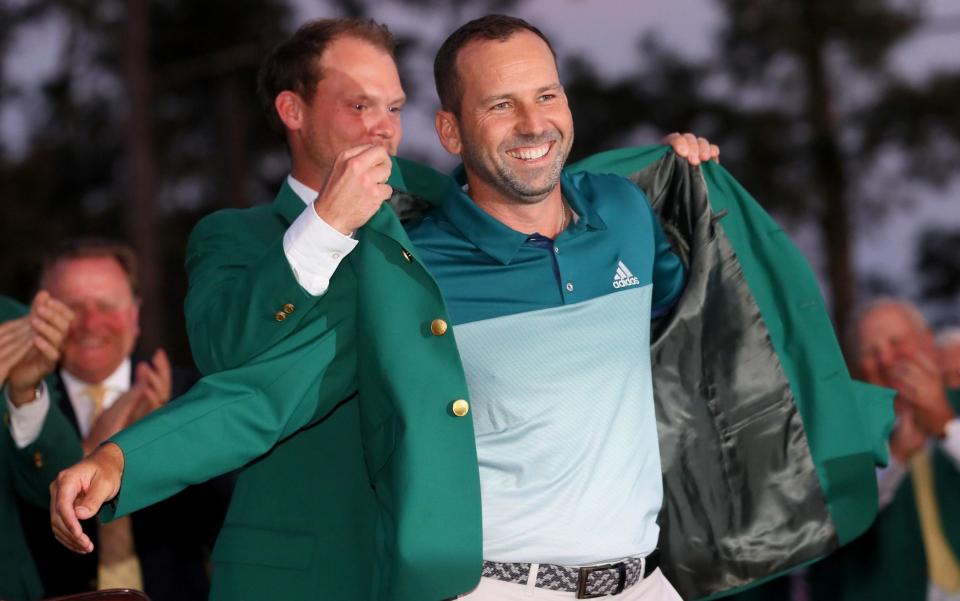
(652, 588)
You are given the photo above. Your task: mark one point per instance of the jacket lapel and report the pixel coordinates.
(287, 204)
(64, 403)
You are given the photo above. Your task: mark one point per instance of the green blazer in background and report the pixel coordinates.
(361, 483)
(27, 473)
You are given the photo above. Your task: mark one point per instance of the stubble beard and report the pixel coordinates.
(511, 184)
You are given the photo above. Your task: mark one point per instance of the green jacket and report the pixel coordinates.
(27, 473)
(363, 484)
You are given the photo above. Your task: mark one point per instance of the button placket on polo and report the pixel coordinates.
(563, 271)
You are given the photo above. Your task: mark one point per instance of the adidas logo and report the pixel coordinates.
(623, 278)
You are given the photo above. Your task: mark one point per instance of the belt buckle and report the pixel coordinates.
(585, 572)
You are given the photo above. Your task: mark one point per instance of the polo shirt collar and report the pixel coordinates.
(493, 237)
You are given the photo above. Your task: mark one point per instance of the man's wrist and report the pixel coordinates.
(22, 394)
(331, 220)
(111, 453)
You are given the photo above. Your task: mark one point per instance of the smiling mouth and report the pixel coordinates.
(530, 153)
(87, 343)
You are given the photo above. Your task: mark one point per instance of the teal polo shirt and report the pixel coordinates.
(555, 341)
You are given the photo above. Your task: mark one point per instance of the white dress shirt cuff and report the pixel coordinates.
(951, 441)
(314, 250)
(26, 421)
(888, 480)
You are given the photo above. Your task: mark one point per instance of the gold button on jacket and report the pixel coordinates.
(438, 327)
(288, 308)
(38, 460)
(280, 316)
(460, 407)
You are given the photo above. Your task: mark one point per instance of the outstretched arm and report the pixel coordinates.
(225, 421)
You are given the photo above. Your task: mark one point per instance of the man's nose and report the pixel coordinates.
(387, 126)
(886, 358)
(86, 318)
(529, 120)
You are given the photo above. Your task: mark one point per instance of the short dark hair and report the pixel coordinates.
(490, 27)
(87, 248)
(295, 63)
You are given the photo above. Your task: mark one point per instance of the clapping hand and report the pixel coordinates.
(920, 387)
(48, 322)
(15, 338)
(150, 391)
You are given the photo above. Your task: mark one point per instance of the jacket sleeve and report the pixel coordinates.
(233, 417)
(240, 281)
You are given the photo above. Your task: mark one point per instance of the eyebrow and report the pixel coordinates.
(546, 88)
(365, 98)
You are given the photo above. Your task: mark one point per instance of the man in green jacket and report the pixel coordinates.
(29, 460)
(350, 392)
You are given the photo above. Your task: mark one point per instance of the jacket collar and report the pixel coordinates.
(287, 204)
(406, 177)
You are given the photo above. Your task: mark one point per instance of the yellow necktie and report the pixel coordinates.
(942, 566)
(118, 566)
(96, 393)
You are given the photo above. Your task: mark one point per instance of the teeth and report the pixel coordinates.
(528, 154)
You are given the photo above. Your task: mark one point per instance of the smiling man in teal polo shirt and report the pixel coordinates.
(554, 333)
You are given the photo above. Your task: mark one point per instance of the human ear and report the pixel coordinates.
(289, 108)
(448, 130)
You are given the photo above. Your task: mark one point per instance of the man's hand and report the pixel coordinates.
(15, 341)
(154, 384)
(919, 385)
(695, 150)
(79, 492)
(907, 437)
(355, 188)
(112, 420)
(150, 391)
(49, 320)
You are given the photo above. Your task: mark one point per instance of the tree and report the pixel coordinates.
(939, 267)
